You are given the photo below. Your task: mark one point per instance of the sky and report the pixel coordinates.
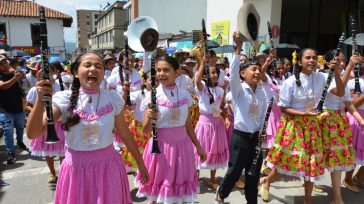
(69, 7)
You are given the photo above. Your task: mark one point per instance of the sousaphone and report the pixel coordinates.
(248, 24)
(143, 34)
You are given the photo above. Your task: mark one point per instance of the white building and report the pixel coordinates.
(19, 22)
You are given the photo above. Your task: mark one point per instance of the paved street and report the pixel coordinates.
(28, 184)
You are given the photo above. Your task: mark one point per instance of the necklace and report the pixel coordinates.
(310, 103)
(97, 105)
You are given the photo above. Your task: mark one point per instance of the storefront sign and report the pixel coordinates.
(30, 50)
(220, 32)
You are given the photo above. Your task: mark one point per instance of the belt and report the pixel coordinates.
(253, 135)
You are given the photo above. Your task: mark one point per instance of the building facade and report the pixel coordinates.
(110, 28)
(86, 25)
(19, 27)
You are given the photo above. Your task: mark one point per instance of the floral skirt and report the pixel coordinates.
(195, 115)
(297, 150)
(336, 140)
(141, 139)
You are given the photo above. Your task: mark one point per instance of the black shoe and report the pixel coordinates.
(22, 146)
(11, 158)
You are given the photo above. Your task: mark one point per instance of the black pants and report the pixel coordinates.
(242, 153)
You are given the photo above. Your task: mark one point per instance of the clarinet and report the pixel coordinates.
(320, 105)
(261, 137)
(60, 80)
(276, 74)
(47, 99)
(126, 72)
(206, 72)
(357, 89)
(155, 148)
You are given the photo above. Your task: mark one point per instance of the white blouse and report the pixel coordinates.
(32, 93)
(134, 78)
(204, 99)
(108, 104)
(185, 82)
(136, 99)
(351, 85)
(172, 110)
(333, 102)
(309, 92)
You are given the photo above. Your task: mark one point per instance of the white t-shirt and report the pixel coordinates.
(204, 99)
(351, 85)
(109, 105)
(32, 80)
(170, 107)
(309, 92)
(32, 93)
(135, 80)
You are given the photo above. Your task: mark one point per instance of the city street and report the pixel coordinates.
(27, 180)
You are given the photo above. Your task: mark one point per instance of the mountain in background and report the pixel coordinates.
(69, 46)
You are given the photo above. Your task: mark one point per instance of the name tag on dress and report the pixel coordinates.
(90, 132)
(253, 110)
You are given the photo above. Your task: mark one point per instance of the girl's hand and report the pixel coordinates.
(144, 175)
(151, 113)
(44, 87)
(202, 154)
(354, 59)
(312, 112)
(227, 122)
(361, 122)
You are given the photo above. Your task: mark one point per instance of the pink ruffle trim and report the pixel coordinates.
(274, 87)
(170, 104)
(94, 116)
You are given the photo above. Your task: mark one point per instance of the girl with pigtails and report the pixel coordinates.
(298, 149)
(210, 129)
(92, 170)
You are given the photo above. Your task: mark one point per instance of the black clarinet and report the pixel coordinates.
(274, 64)
(60, 80)
(261, 137)
(126, 72)
(47, 99)
(357, 89)
(206, 72)
(320, 105)
(155, 148)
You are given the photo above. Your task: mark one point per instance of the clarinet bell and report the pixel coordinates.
(155, 148)
(51, 134)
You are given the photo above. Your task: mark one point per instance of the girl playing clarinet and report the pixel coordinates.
(210, 129)
(173, 177)
(298, 150)
(92, 170)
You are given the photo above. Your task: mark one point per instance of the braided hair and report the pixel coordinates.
(73, 118)
(145, 76)
(298, 67)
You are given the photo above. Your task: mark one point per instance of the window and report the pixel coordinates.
(96, 16)
(3, 32)
(88, 23)
(110, 18)
(35, 33)
(87, 16)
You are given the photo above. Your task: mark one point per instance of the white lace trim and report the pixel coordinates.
(171, 200)
(296, 174)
